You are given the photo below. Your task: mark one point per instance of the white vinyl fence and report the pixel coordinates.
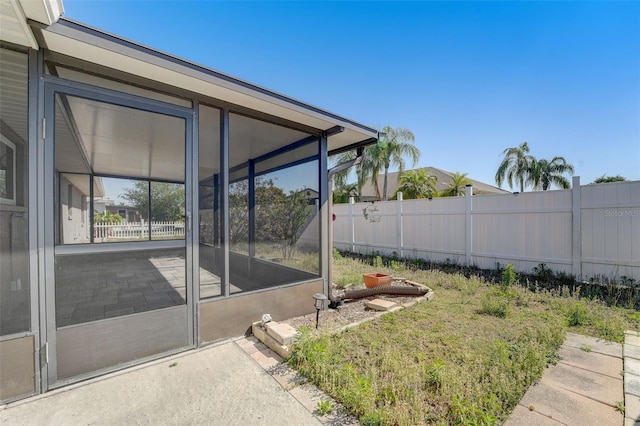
(137, 230)
(590, 231)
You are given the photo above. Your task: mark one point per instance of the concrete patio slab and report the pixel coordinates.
(216, 385)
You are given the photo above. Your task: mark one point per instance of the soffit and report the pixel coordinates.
(13, 25)
(13, 91)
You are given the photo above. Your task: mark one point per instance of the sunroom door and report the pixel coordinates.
(117, 211)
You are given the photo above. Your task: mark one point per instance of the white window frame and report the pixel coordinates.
(12, 169)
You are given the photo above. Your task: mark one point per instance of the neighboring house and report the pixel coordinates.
(127, 213)
(444, 180)
(78, 106)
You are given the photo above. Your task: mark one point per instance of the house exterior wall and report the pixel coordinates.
(222, 318)
(37, 351)
(17, 344)
(17, 370)
(73, 214)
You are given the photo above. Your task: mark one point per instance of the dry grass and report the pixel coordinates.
(453, 360)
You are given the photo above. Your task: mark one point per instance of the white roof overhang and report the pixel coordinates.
(15, 13)
(79, 41)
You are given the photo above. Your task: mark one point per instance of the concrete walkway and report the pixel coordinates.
(235, 383)
(631, 378)
(584, 388)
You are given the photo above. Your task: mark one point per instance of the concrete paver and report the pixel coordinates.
(599, 387)
(592, 361)
(596, 345)
(632, 384)
(632, 366)
(632, 378)
(631, 351)
(569, 407)
(523, 416)
(584, 388)
(632, 407)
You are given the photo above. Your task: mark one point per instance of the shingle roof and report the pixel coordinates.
(444, 179)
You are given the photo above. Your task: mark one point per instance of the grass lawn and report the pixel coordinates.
(466, 357)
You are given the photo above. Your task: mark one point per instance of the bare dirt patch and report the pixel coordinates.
(351, 311)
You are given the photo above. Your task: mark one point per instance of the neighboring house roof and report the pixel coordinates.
(444, 179)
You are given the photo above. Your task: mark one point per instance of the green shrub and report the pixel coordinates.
(509, 276)
(542, 273)
(397, 266)
(347, 280)
(577, 314)
(496, 304)
(336, 254)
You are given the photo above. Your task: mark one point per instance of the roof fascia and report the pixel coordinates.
(79, 31)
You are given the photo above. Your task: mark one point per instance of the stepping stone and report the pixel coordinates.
(381, 305)
(283, 333)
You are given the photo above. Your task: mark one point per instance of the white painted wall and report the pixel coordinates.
(524, 229)
(73, 214)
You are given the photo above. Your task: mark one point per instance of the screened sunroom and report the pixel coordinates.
(148, 205)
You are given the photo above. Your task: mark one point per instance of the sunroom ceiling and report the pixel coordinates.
(101, 138)
(78, 41)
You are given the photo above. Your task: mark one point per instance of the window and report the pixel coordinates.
(7, 171)
(15, 316)
(274, 200)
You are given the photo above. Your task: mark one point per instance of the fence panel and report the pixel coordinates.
(435, 228)
(590, 231)
(610, 215)
(104, 231)
(524, 229)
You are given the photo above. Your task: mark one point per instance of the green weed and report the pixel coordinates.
(496, 304)
(508, 276)
(324, 407)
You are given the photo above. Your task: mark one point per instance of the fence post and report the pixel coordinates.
(576, 219)
(399, 224)
(468, 224)
(352, 225)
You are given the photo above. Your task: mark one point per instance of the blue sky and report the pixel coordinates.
(468, 78)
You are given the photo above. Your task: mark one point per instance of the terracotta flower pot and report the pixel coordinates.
(374, 280)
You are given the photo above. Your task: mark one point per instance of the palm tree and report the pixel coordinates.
(457, 185)
(416, 184)
(342, 193)
(362, 174)
(608, 179)
(515, 166)
(544, 173)
(397, 144)
(107, 217)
